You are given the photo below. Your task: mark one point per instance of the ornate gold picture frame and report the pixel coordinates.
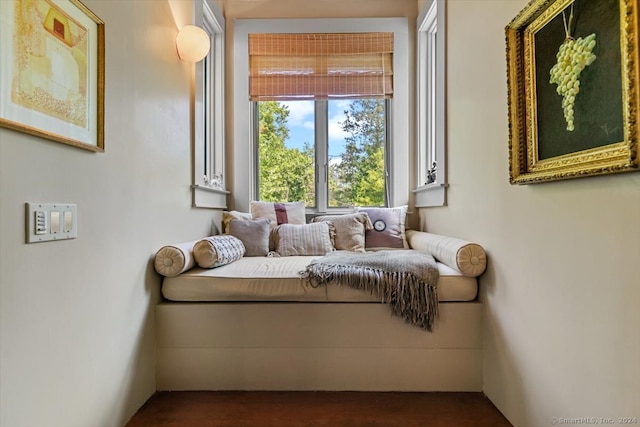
(572, 77)
(52, 71)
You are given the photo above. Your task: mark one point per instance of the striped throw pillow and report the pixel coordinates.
(304, 239)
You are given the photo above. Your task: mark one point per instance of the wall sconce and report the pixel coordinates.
(192, 43)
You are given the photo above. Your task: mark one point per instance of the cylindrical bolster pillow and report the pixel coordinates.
(219, 250)
(468, 258)
(172, 260)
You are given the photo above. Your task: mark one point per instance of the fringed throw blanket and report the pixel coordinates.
(405, 279)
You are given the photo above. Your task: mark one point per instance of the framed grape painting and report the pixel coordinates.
(573, 96)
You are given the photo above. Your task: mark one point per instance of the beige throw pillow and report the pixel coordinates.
(227, 216)
(350, 230)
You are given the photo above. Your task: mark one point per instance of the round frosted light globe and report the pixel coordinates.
(192, 43)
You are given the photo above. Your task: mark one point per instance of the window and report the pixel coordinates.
(331, 151)
(330, 154)
(208, 169)
(332, 136)
(430, 109)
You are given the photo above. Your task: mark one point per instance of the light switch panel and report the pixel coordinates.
(51, 221)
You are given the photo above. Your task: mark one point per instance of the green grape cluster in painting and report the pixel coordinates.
(573, 56)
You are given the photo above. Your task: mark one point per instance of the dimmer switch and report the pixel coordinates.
(40, 222)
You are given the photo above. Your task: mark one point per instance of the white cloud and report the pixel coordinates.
(335, 129)
(342, 104)
(299, 112)
(335, 161)
(301, 115)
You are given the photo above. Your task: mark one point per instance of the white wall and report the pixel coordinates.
(562, 292)
(77, 340)
(77, 343)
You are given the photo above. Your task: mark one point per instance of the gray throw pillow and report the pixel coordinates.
(254, 234)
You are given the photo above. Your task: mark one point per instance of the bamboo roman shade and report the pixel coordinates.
(286, 67)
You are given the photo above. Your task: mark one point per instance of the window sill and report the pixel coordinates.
(430, 187)
(330, 211)
(430, 195)
(207, 197)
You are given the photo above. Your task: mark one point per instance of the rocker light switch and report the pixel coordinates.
(68, 221)
(55, 222)
(50, 221)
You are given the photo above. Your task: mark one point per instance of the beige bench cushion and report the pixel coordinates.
(276, 279)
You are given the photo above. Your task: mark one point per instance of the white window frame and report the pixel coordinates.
(398, 120)
(430, 105)
(208, 181)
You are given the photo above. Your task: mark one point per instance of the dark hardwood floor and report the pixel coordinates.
(314, 409)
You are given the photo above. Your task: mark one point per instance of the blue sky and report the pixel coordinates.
(301, 124)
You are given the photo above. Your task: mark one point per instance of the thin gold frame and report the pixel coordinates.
(525, 167)
(97, 95)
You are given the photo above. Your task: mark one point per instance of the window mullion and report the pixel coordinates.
(254, 184)
(322, 156)
(387, 154)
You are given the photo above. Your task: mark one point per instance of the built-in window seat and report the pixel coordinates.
(255, 324)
